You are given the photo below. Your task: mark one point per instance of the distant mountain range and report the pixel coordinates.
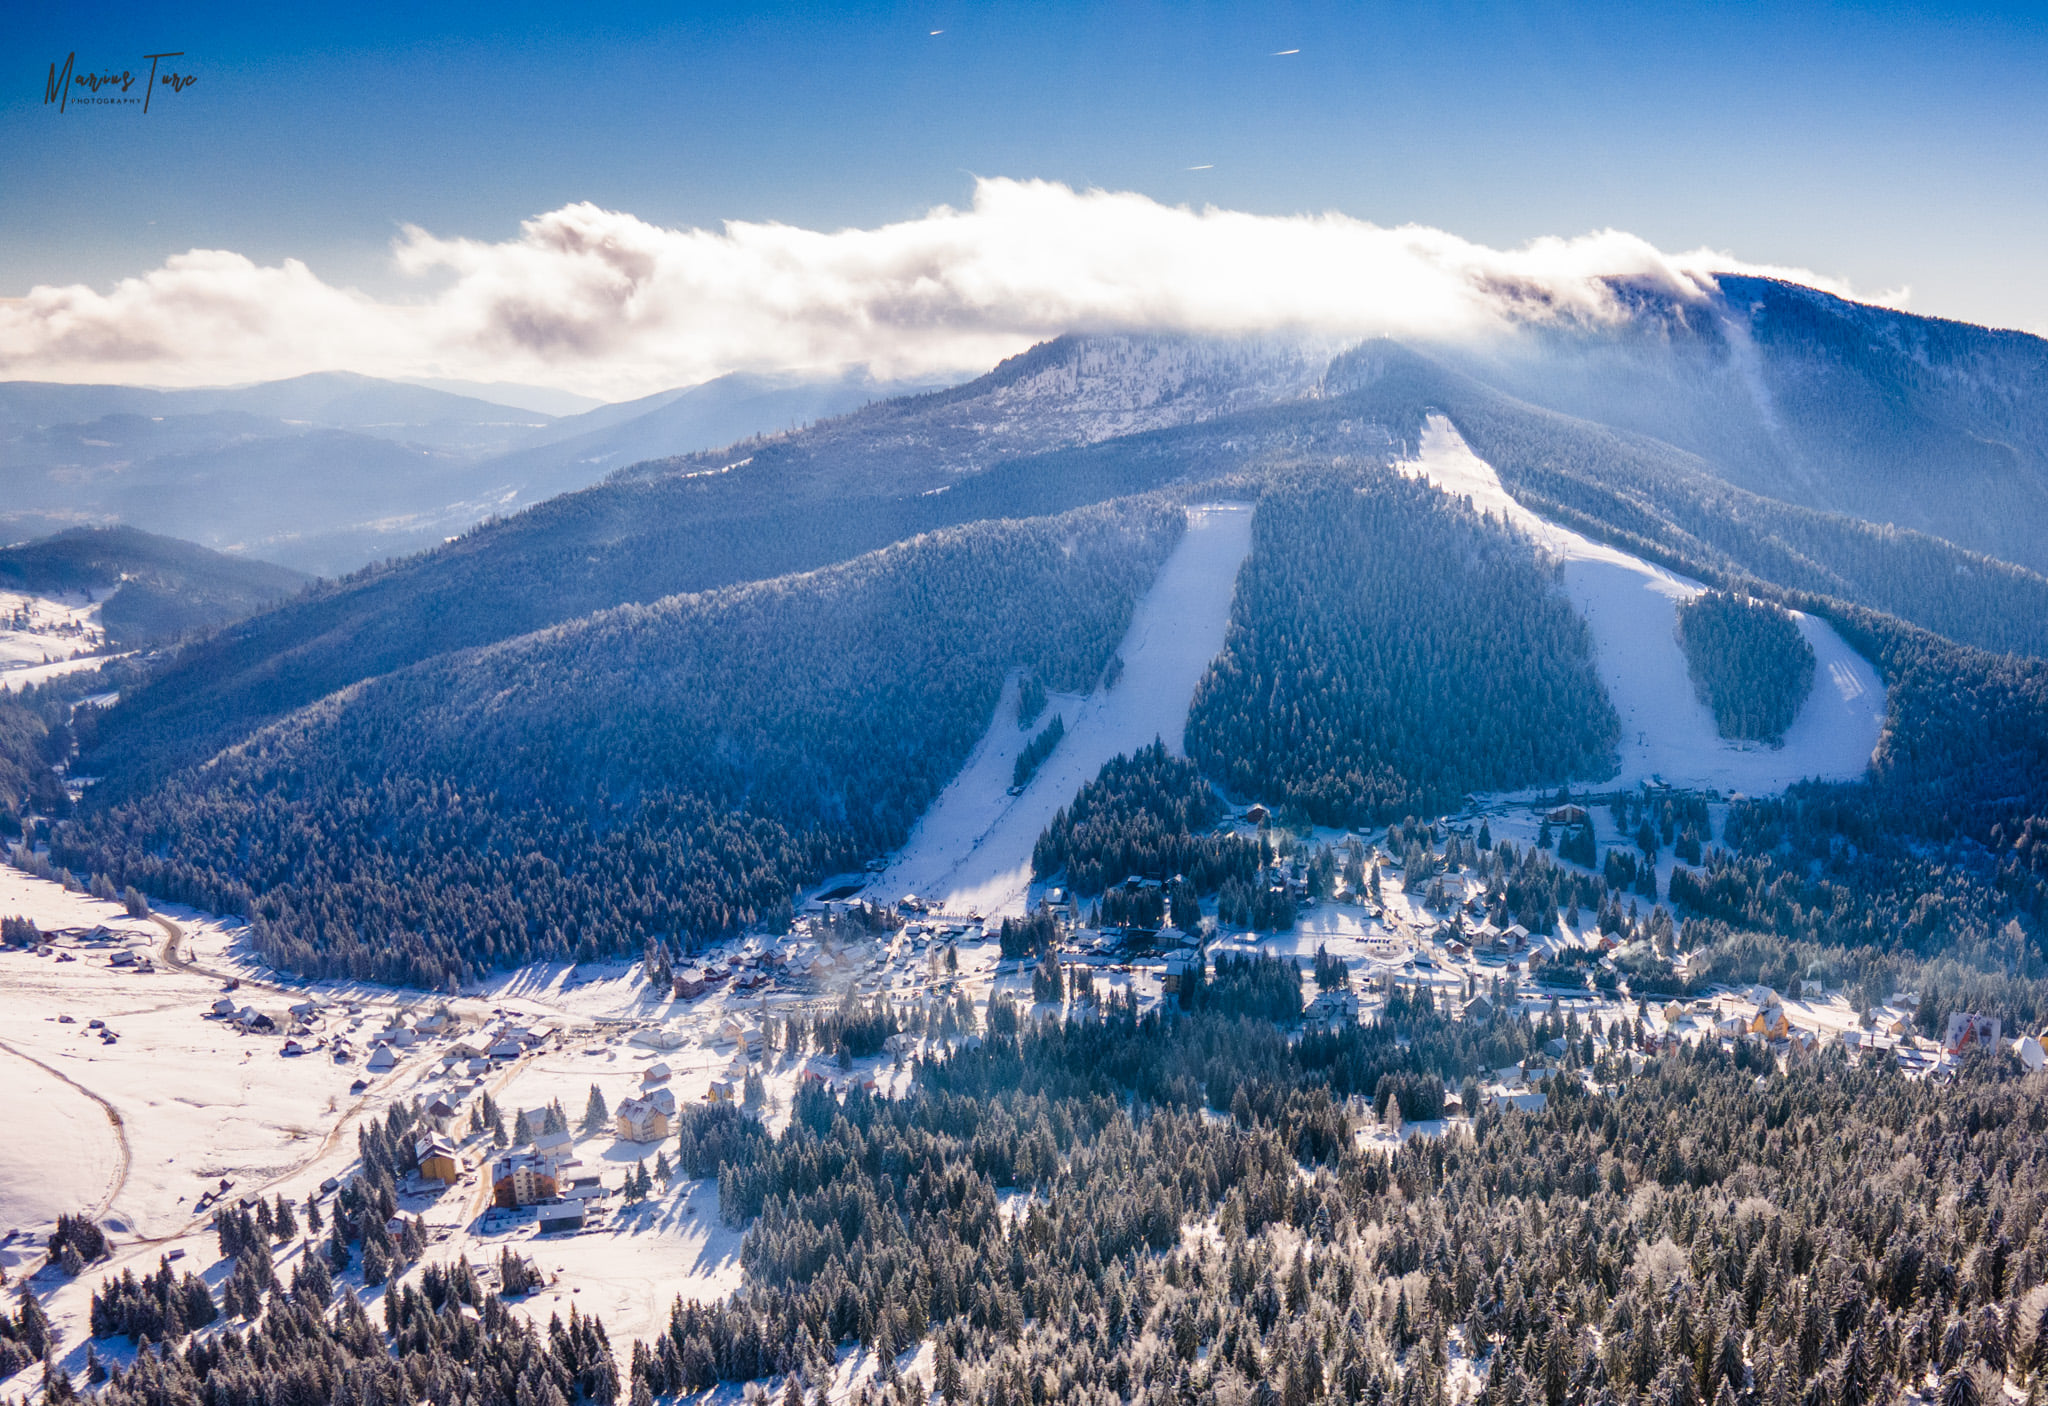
(327, 473)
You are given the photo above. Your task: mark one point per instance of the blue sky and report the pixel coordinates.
(1884, 145)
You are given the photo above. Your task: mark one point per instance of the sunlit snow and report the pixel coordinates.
(972, 849)
(1666, 732)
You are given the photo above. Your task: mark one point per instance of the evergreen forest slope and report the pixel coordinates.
(376, 769)
(161, 588)
(664, 772)
(1389, 651)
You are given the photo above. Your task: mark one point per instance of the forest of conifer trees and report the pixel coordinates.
(671, 771)
(1749, 663)
(1388, 652)
(1203, 1226)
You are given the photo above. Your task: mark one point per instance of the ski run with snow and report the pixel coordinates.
(1667, 734)
(972, 849)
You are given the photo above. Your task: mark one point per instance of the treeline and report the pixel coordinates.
(1246, 985)
(664, 772)
(1145, 814)
(1389, 651)
(1748, 661)
(35, 737)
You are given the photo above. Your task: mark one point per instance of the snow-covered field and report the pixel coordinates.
(37, 630)
(1666, 732)
(137, 1131)
(14, 680)
(196, 1100)
(972, 849)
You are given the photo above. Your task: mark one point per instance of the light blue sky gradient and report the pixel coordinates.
(1886, 145)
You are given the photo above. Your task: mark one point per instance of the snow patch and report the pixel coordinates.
(972, 849)
(1667, 734)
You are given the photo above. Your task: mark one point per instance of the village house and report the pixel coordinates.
(656, 1073)
(1332, 1010)
(689, 984)
(1770, 1022)
(823, 1069)
(645, 1118)
(382, 1060)
(441, 1113)
(438, 1161)
(558, 1147)
(2030, 1053)
(1969, 1031)
(559, 1216)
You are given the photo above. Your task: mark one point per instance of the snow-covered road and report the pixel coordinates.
(1630, 604)
(972, 849)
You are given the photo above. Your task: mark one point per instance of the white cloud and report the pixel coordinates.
(598, 301)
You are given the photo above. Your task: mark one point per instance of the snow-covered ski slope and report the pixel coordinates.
(972, 849)
(1666, 732)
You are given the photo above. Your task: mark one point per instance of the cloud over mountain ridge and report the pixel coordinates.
(603, 302)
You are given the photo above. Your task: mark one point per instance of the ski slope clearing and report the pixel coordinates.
(972, 849)
(1667, 734)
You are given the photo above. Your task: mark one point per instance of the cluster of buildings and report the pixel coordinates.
(547, 1178)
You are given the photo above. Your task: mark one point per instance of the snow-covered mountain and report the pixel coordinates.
(1932, 425)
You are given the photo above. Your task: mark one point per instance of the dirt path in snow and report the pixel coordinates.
(120, 1179)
